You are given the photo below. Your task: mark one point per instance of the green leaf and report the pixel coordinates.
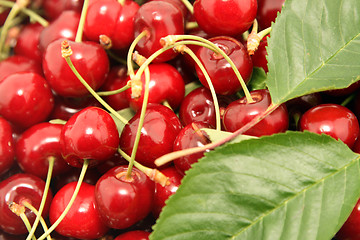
(258, 79)
(295, 185)
(126, 113)
(314, 46)
(216, 135)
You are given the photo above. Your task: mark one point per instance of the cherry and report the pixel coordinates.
(240, 112)
(83, 219)
(64, 26)
(7, 152)
(54, 8)
(268, 11)
(116, 79)
(89, 134)
(179, 4)
(259, 57)
(162, 193)
(17, 64)
(166, 85)
(222, 76)
(26, 99)
(27, 43)
(158, 133)
(36, 146)
(110, 18)
(134, 235)
(129, 200)
(350, 229)
(89, 59)
(20, 188)
(159, 19)
(224, 17)
(332, 119)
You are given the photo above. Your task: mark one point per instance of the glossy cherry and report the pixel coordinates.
(240, 112)
(332, 119)
(160, 19)
(166, 85)
(259, 57)
(110, 18)
(54, 8)
(268, 11)
(7, 152)
(129, 201)
(89, 59)
(26, 99)
(19, 188)
(224, 17)
(17, 64)
(350, 229)
(27, 43)
(160, 128)
(162, 193)
(89, 134)
(222, 76)
(83, 220)
(36, 146)
(63, 27)
(116, 79)
(134, 235)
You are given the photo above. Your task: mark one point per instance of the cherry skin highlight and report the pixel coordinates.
(7, 152)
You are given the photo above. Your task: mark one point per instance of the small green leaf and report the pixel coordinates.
(258, 79)
(295, 185)
(216, 135)
(192, 86)
(314, 46)
(126, 113)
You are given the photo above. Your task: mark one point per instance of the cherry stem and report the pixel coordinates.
(211, 86)
(80, 29)
(154, 174)
(189, 6)
(264, 32)
(32, 14)
(72, 199)
(122, 2)
(113, 92)
(19, 210)
(42, 221)
(131, 50)
(141, 122)
(217, 50)
(167, 104)
(66, 53)
(181, 153)
(26, 222)
(115, 57)
(57, 121)
(191, 25)
(43, 199)
(348, 99)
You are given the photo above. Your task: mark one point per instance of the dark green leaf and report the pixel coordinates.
(314, 46)
(288, 186)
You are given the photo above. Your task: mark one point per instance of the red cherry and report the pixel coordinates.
(89, 134)
(162, 193)
(36, 145)
(129, 200)
(190, 136)
(220, 72)
(332, 119)
(83, 219)
(160, 19)
(27, 43)
(350, 229)
(134, 235)
(26, 99)
(17, 64)
(268, 11)
(7, 152)
(54, 8)
(160, 128)
(240, 112)
(259, 57)
(64, 26)
(166, 84)
(19, 188)
(225, 17)
(110, 18)
(89, 59)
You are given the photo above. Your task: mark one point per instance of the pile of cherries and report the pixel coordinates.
(78, 78)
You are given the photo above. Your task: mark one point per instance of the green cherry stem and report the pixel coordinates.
(189, 6)
(108, 93)
(131, 50)
(37, 213)
(207, 77)
(80, 29)
(66, 53)
(141, 122)
(181, 153)
(72, 199)
(122, 2)
(33, 15)
(19, 210)
(43, 199)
